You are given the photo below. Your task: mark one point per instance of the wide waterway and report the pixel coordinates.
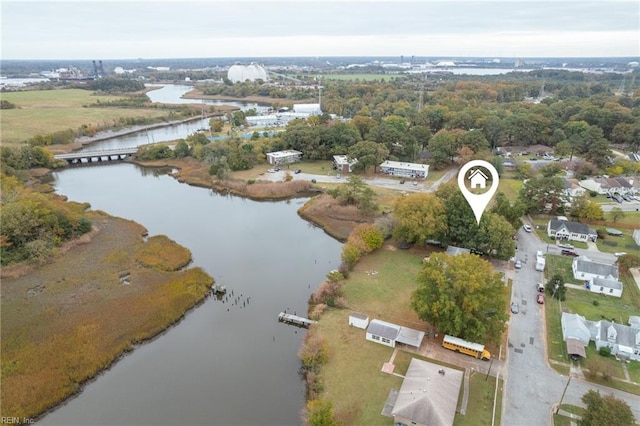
(168, 94)
(225, 363)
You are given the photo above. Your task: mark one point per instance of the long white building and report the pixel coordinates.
(408, 170)
(284, 157)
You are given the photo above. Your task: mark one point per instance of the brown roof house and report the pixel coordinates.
(428, 395)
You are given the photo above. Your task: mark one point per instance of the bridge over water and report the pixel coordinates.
(104, 155)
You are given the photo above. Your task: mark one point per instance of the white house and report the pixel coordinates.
(409, 170)
(565, 230)
(586, 270)
(623, 340)
(358, 320)
(309, 109)
(478, 179)
(607, 185)
(284, 157)
(383, 332)
(342, 163)
(608, 287)
(572, 188)
(389, 334)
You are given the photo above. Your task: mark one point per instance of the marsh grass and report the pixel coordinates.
(66, 321)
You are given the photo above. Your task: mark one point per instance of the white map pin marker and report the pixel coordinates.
(478, 202)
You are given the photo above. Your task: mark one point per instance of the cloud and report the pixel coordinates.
(310, 28)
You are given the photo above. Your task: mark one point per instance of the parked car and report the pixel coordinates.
(402, 182)
(527, 228)
(566, 246)
(271, 170)
(338, 176)
(570, 253)
(298, 171)
(620, 253)
(540, 298)
(277, 169)
(518, 264)
(414, 183)
(514, 308)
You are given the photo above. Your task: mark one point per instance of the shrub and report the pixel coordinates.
(350, 255)
(370, 236)
(595, 303)
(593, 194)
(313, 352)
(605, 351)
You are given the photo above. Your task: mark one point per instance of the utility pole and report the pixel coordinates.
(490, 364)
(563, 392)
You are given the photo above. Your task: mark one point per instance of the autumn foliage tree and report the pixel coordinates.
(462, 296)
(419, 217)
(605, 410)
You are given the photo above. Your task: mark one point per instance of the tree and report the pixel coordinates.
(511, 212)
(355, 192)
(419, 217)
(605, 410)
(556, 287)
(216, 125)
(543, 194)
(462, 296)
(494, 237)
(368, 154)
(182, 149)
(320, 413)
(583, 208)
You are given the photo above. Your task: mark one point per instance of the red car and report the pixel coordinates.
(540, 298)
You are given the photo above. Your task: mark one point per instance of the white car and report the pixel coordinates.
(620, 253)
(527, 228)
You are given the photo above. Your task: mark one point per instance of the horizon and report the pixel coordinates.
(116, 30)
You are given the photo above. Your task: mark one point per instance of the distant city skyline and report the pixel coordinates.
(170, 29)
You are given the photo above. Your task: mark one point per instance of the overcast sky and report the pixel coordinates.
(235, 28)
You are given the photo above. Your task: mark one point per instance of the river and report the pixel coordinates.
(168, 94)
(224, 364)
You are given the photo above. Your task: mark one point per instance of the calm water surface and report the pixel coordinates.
(224, 364)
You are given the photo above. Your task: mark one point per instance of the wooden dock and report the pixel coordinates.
(295, 320)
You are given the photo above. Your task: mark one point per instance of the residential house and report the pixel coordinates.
(428, 395)
(565, 230)
(408, 170)
(342, 163)
(608, 287)
(586, 270)
(607, 185)
(389, 334)
(572, 188)
(454, 251)
(624, 340)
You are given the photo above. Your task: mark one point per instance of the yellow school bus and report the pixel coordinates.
(476, 350)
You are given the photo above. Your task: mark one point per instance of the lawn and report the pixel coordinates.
(617, 308)
(561, 264)
(380, 286)
(57, 110)
(624, 243)
(480, 405)
(556, 348)
(510, 187)
(634, 371)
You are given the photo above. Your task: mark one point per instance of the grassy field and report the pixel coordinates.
(510, 187)
(618, 308)
(561, 264)
(47, 111)
(66, 321)
(634, 371)
(556, 347)
(361, 77)
(379, 286)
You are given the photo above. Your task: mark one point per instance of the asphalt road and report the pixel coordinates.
(532, 387)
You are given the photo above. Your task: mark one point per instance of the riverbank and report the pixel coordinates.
(198, 94)
(323, 210)
(83, 141)
(65, 322)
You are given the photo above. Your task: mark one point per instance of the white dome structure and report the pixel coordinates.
(253, 72)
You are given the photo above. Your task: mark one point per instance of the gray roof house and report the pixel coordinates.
(428, 395)
(574, 326)
(389, 334)
(607, 287)
(623, 340)
(586, 270)
(565, 230)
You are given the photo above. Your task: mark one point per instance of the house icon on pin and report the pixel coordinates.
(478, 179)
